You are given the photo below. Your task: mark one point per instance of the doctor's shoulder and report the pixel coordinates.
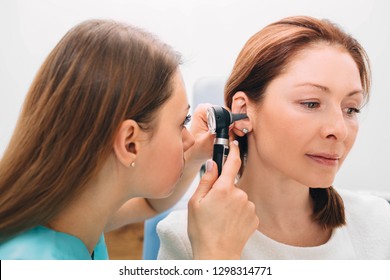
(42, 243)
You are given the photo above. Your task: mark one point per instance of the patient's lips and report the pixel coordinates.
(325, 159)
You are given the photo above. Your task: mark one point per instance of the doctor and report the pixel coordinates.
(102, 142)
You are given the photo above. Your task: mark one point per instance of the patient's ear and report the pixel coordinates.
(241, 104)
(127, 142)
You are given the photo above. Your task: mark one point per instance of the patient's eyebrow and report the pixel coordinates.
(326, 89)
(322, 88)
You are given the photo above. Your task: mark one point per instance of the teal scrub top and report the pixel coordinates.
(42, 243)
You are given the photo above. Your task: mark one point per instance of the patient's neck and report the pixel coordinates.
(284, 208)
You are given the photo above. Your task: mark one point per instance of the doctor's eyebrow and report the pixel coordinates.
(187, 108)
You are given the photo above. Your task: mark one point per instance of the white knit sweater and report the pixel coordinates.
(366, 235)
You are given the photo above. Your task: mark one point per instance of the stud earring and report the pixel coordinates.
(245, 130)
(132, 164)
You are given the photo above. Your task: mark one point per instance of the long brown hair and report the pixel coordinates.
(100, 73)
(265, 56)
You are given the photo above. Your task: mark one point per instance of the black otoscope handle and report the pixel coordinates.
(220, 152)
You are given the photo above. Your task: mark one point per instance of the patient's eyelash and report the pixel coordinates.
(311, 104)
(351, 111)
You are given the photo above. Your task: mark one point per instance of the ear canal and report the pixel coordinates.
(131, 147)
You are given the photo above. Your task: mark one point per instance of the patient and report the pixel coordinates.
(302, 82)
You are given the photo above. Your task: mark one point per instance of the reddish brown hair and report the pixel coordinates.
(99, 74)
(265, 56)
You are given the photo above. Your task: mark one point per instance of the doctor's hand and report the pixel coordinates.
(220, 217)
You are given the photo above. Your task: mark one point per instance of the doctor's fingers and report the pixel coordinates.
(230, 168)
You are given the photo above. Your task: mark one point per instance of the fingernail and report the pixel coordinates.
(209, 165)
(235, 142)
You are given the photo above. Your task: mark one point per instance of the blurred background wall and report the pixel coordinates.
(209, 34)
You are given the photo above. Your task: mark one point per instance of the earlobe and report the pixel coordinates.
(125, 143)
(240, 104)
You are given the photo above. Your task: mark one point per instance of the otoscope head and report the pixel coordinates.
(219, 119)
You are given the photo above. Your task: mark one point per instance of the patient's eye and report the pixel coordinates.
(311, 104)
(352, 111)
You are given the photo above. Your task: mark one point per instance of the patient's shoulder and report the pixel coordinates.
(362, 203)
(368, 224)
(174, 241)
(367, 212)
(176, 220)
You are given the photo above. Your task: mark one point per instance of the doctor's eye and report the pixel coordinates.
(187, 120)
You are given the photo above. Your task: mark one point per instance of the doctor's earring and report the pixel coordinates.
(245, 130)
(132, 164)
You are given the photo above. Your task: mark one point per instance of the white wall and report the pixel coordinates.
(209, 34)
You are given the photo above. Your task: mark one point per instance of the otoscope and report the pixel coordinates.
(219, 119)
